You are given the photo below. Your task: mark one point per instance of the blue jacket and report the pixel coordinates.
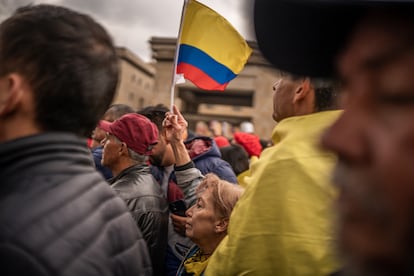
(207, 158)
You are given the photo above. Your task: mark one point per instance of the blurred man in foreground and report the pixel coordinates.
(370, 46)
(58, 74)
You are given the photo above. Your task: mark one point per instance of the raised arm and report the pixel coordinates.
(188, 177)
(174, 127)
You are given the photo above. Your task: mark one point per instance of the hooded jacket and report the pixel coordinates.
(206, 156)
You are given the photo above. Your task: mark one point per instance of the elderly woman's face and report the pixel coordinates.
(202, 219)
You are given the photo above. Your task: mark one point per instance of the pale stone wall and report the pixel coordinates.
(136, 80)
(256, 78)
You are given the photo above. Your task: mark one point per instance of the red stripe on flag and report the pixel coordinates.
(199, 78)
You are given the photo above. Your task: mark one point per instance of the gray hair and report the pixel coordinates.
(139, 158)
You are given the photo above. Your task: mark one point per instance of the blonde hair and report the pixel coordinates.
(224, 194)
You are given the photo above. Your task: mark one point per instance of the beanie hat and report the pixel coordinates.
(136, 131)
(221, 141)
(250, 142)
(247, 127)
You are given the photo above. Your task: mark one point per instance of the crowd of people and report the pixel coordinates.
(331, 194)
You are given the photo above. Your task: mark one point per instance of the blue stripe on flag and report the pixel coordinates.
(204, 62)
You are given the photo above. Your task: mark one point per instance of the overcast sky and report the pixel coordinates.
(132, 22)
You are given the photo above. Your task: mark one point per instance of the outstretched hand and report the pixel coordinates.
(174, 126)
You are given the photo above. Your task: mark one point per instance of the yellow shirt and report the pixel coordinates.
(282, 225)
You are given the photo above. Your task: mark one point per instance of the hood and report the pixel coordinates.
(202, 146)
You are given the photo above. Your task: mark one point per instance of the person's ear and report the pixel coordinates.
(11, 93)
(302, 90)
(221, 225)
(123, 149)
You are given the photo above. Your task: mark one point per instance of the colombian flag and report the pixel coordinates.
(211, 51)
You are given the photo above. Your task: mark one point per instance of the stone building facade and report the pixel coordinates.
(136, 80)
(247, 98)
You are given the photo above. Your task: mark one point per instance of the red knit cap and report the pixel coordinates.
(250, 142)
(221, 141)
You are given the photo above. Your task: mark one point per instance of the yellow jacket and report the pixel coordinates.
(282, 225)
(241, 176)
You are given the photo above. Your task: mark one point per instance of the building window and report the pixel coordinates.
(131, 96)
(141, 103)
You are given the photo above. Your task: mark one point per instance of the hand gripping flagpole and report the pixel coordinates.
(177, 49)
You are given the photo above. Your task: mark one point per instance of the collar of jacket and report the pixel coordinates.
(136, 169)
(51, 149)
(311, 124)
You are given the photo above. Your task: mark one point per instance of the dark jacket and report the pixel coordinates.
(148, 207)
(59, 217)
(207, 158)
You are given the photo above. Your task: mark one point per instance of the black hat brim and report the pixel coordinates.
(305, 37)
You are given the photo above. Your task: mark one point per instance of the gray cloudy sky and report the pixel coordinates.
(132, 22)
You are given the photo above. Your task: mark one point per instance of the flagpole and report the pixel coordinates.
(177, 47)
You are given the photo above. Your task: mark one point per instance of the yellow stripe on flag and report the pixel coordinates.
(207, 30)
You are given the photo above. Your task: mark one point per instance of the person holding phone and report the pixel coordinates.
(162, 168)
(210, 198)
(178, 208)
